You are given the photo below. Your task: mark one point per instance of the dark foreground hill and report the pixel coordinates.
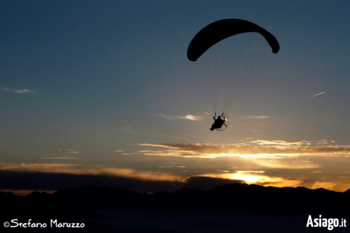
(99, 206)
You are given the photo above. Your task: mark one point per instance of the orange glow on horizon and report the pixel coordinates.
(23, 193)
(264, 180)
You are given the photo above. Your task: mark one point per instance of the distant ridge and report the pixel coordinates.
(231, 198)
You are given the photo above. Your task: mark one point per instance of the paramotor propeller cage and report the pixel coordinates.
(226, 123)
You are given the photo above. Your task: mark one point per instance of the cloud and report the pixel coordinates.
(118, 151)
(58, 158)
(22, 91)
(43, 167)
(324, 142)
(71, 151)
(186, 117)
(190, 117)
(286, 165)
(21, 180)
(178, 150)
(325, 185)
(157, 145)
(321, 93)
(252, 171)
(336, 186)
(140, 175)
(256, 117)
(249, 178)
(281, 142)
(37, 176)
(105, 171)
(169, 117)
(265, 162)
(248, 149)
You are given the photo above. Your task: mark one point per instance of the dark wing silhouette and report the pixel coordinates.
(219, 30)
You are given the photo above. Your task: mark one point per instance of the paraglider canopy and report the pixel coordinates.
(228, 54)
(219, 30)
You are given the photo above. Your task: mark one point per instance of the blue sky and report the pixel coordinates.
(93, 77)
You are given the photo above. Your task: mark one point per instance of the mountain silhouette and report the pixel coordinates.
(91, 203)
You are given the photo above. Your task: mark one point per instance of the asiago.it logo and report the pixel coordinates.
(329, 223)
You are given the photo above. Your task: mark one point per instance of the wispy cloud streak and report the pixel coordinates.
(98, 171)
(190, 117)
(321, 93)
(248, 149)
(17, 91)
(186, 117)
(257, 117)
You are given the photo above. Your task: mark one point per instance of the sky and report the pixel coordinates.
(104, 89)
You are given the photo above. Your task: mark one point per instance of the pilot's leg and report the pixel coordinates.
(212, 127)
